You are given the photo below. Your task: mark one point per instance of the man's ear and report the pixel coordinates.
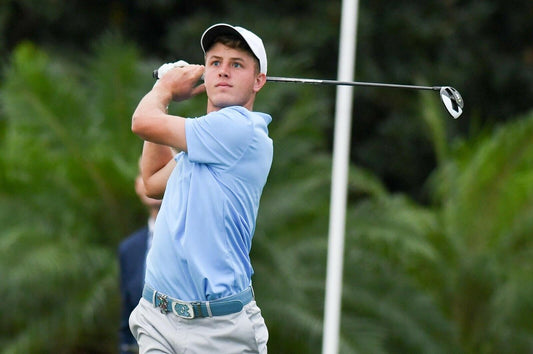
(260, 81)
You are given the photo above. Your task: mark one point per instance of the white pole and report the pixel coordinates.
(339, 179)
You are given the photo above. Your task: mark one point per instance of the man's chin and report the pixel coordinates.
(224, 104)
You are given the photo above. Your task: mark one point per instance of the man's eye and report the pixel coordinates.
(237, 65)
(215, 63)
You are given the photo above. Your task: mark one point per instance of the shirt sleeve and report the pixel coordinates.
(219, 138)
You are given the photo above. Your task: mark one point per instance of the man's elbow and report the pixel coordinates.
(154, 190)
(137, 126)
(155, 195)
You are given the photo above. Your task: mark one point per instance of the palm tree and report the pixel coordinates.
(486, 197)
(68, 162)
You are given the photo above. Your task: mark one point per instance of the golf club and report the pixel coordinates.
(450, 97)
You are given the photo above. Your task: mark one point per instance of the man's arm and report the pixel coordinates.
(157, 163)
(160, 130)
(151, 121)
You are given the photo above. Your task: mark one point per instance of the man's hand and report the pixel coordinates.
(163, 69)
(182, 82)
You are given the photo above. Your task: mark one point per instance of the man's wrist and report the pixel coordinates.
(163, 95)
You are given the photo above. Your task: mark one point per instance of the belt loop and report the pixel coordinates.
(208, 309)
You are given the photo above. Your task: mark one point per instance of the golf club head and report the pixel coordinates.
(452, 101)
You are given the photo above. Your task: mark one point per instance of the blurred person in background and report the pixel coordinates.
(132, 253)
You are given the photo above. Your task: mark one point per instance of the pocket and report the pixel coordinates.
(136, 318)
(132, 321)
(259, 327)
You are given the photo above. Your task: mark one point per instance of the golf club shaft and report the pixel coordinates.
(342, 83)
(349, 83)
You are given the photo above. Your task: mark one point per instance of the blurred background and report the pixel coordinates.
(439, 247)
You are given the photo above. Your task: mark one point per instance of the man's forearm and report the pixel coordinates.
(149, 112)
(151, 122)
(157, 163)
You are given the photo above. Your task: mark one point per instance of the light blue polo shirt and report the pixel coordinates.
(204, 229)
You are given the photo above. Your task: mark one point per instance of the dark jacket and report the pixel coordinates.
(132, 258)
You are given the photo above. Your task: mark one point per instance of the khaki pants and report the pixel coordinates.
(242, 332)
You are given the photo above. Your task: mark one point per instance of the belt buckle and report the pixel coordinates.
(183, 309)
(163, 303)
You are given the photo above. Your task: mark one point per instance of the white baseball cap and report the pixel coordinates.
(254, 42)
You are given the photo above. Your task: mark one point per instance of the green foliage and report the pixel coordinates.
(68, 162)
(487, 201)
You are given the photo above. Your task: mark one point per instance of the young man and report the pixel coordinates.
(198, 296)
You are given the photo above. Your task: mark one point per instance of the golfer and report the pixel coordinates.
(198, 295)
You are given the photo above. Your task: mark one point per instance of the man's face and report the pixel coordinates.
(230, 78)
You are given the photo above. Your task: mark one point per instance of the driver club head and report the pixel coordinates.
(452, 101)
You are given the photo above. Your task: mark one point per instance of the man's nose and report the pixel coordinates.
(223, 70)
